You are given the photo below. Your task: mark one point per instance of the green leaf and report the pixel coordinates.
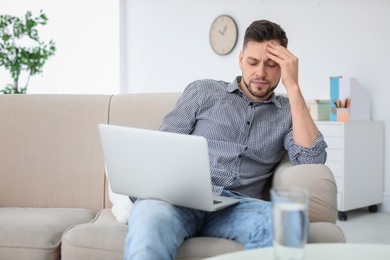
(30, 58)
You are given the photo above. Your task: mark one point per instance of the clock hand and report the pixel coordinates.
(224, 30)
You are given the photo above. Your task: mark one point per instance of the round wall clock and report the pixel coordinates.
(223, 34)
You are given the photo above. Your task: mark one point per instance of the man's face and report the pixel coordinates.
(260, 74)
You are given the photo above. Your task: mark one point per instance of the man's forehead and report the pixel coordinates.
(256, 51)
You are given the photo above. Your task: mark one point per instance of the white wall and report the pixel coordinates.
(87, 36)
(167, 46)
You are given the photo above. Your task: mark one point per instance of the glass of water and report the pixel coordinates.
(290, 222)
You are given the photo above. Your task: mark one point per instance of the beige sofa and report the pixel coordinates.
(53, 190)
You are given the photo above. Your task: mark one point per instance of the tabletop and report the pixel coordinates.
(329, 251)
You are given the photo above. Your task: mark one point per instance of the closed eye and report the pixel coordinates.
(252, 61)
(271, 63)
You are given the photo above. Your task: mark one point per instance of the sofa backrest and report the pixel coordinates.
(50, 154)
(140, 110)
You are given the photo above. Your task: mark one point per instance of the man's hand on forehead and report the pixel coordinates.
(287, 61)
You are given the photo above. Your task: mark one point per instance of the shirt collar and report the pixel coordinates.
(235, 88)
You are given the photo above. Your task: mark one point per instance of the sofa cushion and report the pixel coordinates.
(35, 233)
(104, 238)
(197, 248)
(325, 232)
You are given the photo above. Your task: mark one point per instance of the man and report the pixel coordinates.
(248, 128)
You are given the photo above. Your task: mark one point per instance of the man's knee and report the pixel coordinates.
(151, 212)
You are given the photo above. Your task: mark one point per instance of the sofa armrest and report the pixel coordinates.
(318, 180)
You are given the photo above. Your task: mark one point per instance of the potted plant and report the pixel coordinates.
(21, 48)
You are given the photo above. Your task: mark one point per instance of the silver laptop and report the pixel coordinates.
(152, 164)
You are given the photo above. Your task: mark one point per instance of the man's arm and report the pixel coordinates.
(305, 131)
(182, 118)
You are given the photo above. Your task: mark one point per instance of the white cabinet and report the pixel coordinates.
(355, 156)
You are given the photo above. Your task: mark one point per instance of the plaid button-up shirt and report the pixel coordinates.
(246, 139)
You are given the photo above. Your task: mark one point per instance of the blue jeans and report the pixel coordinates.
(157, 229)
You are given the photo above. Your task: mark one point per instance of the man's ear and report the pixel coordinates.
(240, 57)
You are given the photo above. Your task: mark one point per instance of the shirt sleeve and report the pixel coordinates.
(316, 154)
(182, 118)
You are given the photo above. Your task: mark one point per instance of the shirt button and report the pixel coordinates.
(240, 156)
(246, 148)
(251, 104)
(248, 123)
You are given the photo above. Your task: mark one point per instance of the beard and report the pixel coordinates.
(260, 94)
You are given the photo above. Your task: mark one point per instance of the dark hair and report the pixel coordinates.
(263, 30)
